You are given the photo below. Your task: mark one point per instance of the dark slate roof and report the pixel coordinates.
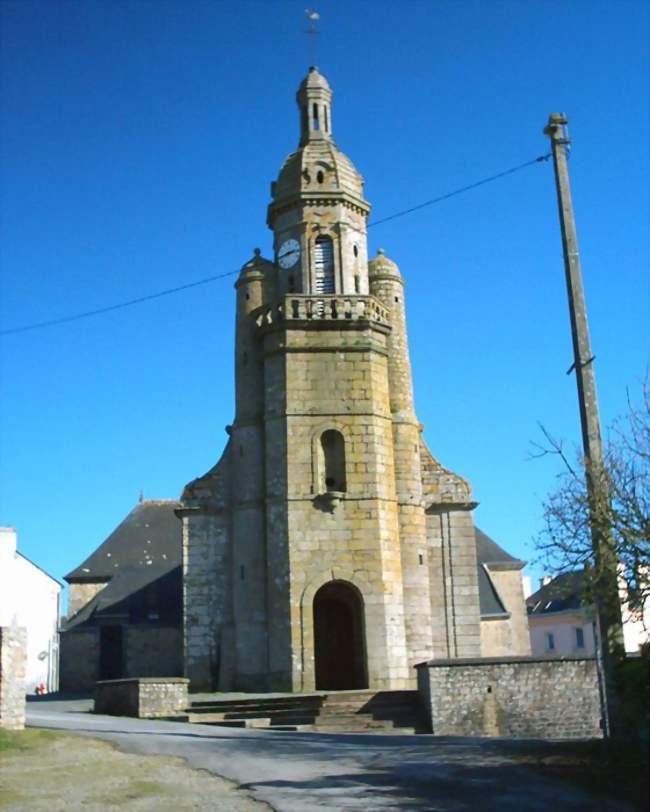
(119, 589)
(489, 600)
(149, 538)
(564, 592)
(489, 553)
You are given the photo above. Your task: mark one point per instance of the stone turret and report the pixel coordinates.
(387, 285)
(254, 286)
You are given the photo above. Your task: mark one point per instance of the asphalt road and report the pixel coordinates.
(295, 772)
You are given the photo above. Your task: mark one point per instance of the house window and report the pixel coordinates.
(333, 460)
(580, 638)
(550, 641)
(324, 265)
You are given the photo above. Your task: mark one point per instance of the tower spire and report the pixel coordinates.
(314, 99)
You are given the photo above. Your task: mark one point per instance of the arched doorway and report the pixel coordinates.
(339, 639)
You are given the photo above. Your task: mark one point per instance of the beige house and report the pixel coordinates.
(328, 548)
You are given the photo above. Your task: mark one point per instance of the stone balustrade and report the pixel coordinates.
(300, 307)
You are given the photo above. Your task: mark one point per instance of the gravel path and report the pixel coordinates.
(66, 772)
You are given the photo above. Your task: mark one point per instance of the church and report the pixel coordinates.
(328, 549)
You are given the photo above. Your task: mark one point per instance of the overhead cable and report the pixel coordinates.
(206, 280)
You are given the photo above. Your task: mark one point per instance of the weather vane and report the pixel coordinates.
(312, 32)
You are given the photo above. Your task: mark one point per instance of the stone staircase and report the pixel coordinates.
(396, 712)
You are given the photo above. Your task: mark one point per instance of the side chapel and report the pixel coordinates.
(328, 549)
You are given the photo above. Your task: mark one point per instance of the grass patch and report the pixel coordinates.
(12, 740)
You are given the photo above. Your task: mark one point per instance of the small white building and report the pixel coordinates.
(31, 598)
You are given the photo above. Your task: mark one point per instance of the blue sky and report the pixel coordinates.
(139, 140)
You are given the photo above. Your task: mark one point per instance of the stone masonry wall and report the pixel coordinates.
(207, 604)
(455, 611)
(80, 594)
(79, 659)
(508, 636)
(512, 696)
(153, 651)
(355, 539)
(144, 698)
(13, 658)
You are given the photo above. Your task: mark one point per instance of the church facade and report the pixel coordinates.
(327, 549)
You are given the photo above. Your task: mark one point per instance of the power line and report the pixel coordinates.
(119, 306)
(435, 200)
(206, 280)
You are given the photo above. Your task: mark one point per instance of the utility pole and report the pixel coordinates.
(605, 562)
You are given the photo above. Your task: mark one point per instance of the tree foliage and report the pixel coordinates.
(565, 542)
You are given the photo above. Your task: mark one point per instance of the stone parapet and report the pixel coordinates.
(518, 697)
(146, 698)
(307, 308)
(13, 658)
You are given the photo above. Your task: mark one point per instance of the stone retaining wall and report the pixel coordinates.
(13, 658)
(145, 698)
(512, 696)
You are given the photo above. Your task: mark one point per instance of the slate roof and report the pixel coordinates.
(488, 553)
(564, 592)
(145, 548)
(113, 599)
(150, 536)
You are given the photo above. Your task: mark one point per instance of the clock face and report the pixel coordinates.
(289, 253)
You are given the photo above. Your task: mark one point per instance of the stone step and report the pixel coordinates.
(248, 713)
(391, 731)
(370, 708)
(376, 696)
(348, 711)
(366, 719)
(236, 707)
(258, 722)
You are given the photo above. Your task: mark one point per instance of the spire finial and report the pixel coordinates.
(141, 497)
(312, 32)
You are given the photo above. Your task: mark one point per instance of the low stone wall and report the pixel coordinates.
(519, 697)
(13, 660)
(146, 698)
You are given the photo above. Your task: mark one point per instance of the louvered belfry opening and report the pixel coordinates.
(324, 265)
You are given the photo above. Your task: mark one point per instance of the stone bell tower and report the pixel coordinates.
(306, 558)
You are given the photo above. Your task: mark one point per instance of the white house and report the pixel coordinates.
(561, 623)
(31, 598)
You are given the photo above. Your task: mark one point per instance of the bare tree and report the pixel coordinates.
(565, 542)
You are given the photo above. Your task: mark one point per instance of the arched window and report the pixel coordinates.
(324, 265)
(332, 447)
